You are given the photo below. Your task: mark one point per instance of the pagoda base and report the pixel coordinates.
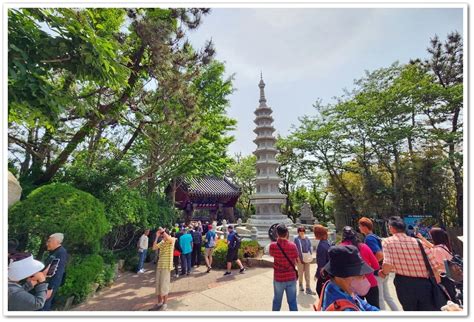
(262, 223)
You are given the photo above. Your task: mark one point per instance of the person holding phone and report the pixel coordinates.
(163, 268)
(26, 283)
(57, 257)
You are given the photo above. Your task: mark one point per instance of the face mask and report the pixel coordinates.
(360, 286)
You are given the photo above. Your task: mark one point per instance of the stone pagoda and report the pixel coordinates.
(267, 199)
(307, 216)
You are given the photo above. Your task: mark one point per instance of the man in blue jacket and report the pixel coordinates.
(56, 251)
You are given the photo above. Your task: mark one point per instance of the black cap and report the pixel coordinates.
(348, 233)
(345, 261)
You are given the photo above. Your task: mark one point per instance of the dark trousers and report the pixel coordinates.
(319, 285)
(414, 293)
(185, 263)
(373, 296)
(196, 256)
(176, 264)
(49, 303)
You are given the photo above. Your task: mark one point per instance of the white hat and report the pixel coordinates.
(24, 268)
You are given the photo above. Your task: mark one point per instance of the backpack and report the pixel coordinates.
(212, 240)
(237, 240)
(176, 244)
(337, 305)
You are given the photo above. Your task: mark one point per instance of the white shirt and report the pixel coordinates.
(143, 243)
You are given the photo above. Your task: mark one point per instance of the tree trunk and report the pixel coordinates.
(130, 142)
(70, 147)
(92, 123)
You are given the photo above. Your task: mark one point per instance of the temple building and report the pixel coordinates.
(215, 196)
(267, 199)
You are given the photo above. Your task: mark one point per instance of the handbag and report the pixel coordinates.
(289, 261)
(307, 257)
(440, 295)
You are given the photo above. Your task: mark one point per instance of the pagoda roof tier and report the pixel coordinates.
(267, 162)
(263, 108)
(265, 149)
(264, 178)
(263, 117)
(264, 138)
(264, 127)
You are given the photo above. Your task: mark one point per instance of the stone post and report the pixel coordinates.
(332, 232)
(224, 227)
(253, 233)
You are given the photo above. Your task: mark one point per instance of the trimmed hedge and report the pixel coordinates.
(61, 208)
(81, 274)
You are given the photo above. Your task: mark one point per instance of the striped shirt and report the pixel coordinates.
(166, 254)
(404, 254)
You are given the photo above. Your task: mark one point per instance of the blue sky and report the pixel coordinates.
(306, 54)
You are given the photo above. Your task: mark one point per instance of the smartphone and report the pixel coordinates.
(416, 231)
(53, 267)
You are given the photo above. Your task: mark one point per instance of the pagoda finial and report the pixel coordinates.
(262, 91)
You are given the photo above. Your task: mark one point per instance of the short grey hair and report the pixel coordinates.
(58, 236)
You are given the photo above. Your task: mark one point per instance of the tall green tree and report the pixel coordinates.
(242, 172)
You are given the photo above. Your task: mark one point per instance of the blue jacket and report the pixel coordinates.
(322, 256)
(56, 280)
(333, 292)
(303, 245)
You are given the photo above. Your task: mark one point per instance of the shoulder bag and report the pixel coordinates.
(440, 295)
(307, 257)
(288, 259)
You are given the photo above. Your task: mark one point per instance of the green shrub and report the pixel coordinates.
(60, 208)
(131, 259)
(107, 276)
(80, 275)
(248, 248)
(108, 256)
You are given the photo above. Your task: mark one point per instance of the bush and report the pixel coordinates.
(107, 276)
(131, 259)
(59, 208)
(248, 249)
(108, 256)
(80, 275)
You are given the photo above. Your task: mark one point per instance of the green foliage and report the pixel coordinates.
(389, 146)
(60, 208)
(248, 248)
(97, 177)
(107, 275)
(242, 172)
(80, 275)
(131, 259)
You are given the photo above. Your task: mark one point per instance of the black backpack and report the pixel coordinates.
(237, 241)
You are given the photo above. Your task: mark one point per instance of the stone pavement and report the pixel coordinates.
(200, 291)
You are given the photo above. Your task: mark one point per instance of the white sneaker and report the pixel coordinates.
(141, 271)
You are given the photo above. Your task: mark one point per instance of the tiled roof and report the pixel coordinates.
(211, 186)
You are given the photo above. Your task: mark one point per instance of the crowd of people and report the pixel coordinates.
(180, 247)
(353, 275)
(350, 276)
(33, 285)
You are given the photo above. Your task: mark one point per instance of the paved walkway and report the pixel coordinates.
(201, 291)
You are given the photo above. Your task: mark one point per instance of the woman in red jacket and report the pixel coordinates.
(349, 237)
